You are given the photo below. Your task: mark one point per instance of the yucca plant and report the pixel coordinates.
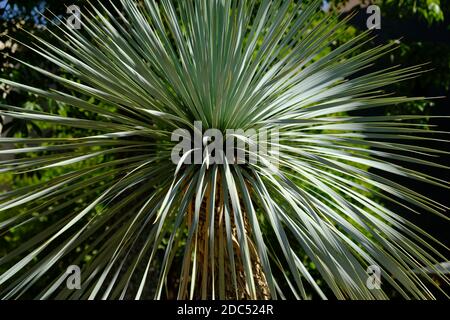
(143, 70)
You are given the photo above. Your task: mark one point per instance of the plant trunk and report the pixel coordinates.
(208, 277)
(242, 291)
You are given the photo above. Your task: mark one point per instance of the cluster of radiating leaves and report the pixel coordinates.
(159, 67)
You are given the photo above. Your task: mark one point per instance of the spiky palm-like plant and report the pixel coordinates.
(222, 230)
